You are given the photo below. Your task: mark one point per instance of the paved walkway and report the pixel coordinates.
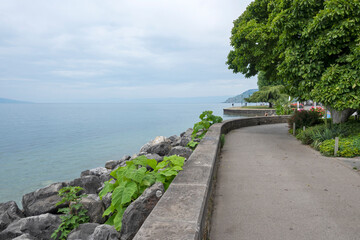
(270, 186)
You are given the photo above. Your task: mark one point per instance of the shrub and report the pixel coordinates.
(132, 180)
(319, 110)
(283, 109)
(348, 147)
(304, 118)
(74, 214)
(200, 128)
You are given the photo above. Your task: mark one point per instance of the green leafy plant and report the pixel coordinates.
(283, 109)
(200, 128)
(131, 181)
(222, 140)
(348, 147)
(74, 214)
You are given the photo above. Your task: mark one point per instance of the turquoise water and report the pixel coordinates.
(45, 143)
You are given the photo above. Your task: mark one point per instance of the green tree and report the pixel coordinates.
(269, 94)
(264, 81)
(314, 45)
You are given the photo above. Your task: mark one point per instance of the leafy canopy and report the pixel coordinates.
(312, 45)
(269, 94)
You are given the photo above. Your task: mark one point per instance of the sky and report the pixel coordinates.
(75, 51)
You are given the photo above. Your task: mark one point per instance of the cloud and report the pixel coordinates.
(130, 45)
(77, 74)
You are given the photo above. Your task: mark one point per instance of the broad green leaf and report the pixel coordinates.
(137, 175)
(160, 178)
(118, 219)
(177, 168)
(161, 165)
(109, 210)
(152, 163)
(141, 160)
(110, 221)
(177, 160)
(130, 189)
(149, 180)
(108, 187)
(169, 173)
(118, 194)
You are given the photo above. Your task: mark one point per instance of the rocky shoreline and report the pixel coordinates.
(39, 218)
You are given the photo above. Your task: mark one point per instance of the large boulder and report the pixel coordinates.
(136, 213)
(42, 200)
(105, 232)
(25, 236)
(185, 138)
(9, 212)
(160, 145)
(90, 183)
(101, 172)
(107, 200)
(155, 156)
(95, 208)
(181, 151)
(39, 227)
(84, 231)
(111, 164)
(173, 139)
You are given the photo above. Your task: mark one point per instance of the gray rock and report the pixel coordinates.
(136, 155)
(42, 200)
(107, 200)
(125, 158)
(25, 236)
(103, 232)
(160, 145)
(136, 213)
(110, 165)
(95, 208)
(155, 156)
(90, 183)
(181, 151)
(9, 212)
(95, 171)
(173, 139)
(84, 231)
(185, 138)
(40, 227)
(145, 148)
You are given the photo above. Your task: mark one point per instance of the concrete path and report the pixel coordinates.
(270, 186)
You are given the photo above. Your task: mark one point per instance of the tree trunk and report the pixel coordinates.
(341, 116)
(270, 105)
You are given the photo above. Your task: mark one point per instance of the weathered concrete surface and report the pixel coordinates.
(270, 186)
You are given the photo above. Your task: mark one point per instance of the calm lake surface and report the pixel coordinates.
(45, 143)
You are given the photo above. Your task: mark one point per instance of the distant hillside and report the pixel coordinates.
(6, 100)
(240, 98)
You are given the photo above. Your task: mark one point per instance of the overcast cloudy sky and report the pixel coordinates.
(61, 51)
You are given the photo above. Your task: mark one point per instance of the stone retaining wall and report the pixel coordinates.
(184, 211)
(249, 112)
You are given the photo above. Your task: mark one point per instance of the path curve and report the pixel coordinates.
(270, 186)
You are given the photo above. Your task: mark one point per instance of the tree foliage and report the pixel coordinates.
(269, 94)
(312, 45)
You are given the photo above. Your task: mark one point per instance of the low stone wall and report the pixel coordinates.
(249, 112)
(184, 211)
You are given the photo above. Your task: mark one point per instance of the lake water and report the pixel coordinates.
(45, 143)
